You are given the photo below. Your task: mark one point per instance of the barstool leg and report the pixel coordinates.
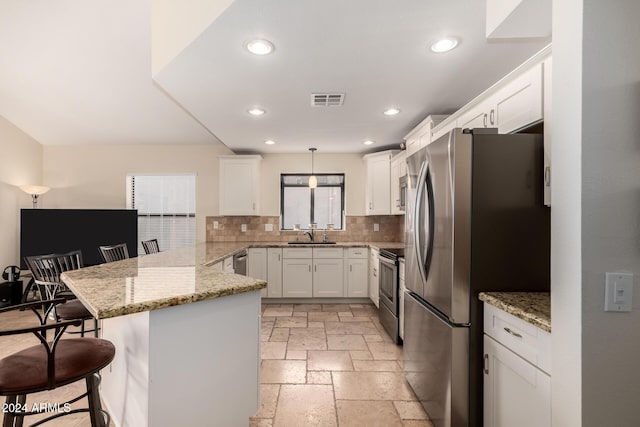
(95, 407)
(22, 399)
(9, 417)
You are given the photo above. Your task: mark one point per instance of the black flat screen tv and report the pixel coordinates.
(54, 231)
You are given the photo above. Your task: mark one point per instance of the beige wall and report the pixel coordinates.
(351, 165)
(91, 176)
(21, 164)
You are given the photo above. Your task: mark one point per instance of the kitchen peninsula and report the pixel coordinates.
(187, 337)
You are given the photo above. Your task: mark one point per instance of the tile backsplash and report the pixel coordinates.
(358, 229)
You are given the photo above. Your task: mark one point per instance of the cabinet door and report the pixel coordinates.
(328, 275)
(476, 117)
(297, 279)
(413, 145)
(395, 188)
(274, 272)
(378, 185)
(357, 278)
(374, 283)
(516, 393)
(257, 265)
(519, 103)
(239, 184)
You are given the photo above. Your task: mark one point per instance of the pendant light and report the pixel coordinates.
(313, 180)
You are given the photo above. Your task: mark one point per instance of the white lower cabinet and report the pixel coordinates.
(274, 272)
(328, 278)
(517, 391)
(357, 276)
(257, 265)
(374, 280)
(297, 278)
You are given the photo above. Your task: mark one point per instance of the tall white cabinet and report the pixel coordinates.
(239, 185)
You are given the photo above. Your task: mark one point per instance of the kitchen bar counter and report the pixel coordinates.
(187, 337)
(156, 281)
(532, 307)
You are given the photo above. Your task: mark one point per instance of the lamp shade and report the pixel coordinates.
(34, 190)
(313, 181)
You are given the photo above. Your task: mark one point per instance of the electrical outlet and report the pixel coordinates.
(268, 227)
(216, 225)
(376, 227)
(243, 228)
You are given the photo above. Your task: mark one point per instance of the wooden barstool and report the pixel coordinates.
(52, 364)
(46, 271)
(114, 252)
(151, 246)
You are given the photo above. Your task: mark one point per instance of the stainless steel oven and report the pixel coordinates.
(389, 291)
(403, 192)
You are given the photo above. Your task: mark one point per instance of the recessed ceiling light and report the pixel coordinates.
(391, 112)
(259, 46)
(444, 45)
(269, 142)
(256, 111)
(368, 142)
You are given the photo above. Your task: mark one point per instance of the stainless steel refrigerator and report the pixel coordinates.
(475, 221)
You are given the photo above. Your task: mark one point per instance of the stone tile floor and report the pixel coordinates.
(332, 365)
(322, 365)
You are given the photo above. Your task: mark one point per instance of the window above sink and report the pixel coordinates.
(301, 205)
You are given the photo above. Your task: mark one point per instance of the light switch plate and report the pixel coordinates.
(268, 227)
(376, 227)
(216, 225)
(618, 292)
(243, 228)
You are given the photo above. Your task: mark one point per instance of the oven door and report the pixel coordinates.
(389, 283)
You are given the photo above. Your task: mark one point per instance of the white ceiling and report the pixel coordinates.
(78, 72)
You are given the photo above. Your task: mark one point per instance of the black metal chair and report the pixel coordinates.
(151, 246)
(46, 271)
(114, 252)
(52, 364)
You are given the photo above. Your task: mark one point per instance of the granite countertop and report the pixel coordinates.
(170, 278)
(532, 307)
(152, 282)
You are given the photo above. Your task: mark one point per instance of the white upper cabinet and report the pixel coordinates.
(546, 102)
(398, 170)
(519, 103)
(378, 197)
(239, 185)
(420, 136)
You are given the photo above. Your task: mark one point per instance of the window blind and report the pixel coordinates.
(166, 207)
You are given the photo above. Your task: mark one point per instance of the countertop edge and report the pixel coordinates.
(532, 307)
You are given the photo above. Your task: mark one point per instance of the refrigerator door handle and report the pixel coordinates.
(422, 248)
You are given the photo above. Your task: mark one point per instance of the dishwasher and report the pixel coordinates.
(240, 263)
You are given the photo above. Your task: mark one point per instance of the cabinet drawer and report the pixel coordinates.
(531, 343)
(288, 253)
(327, 253)
(357, 253)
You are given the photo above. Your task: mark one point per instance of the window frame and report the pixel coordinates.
(312, 196)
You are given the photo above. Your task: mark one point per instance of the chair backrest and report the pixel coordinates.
(46, 269)
(114, 252)
(151, 246)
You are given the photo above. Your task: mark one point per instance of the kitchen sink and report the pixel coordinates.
(312, 243)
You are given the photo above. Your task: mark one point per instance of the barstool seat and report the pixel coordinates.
(75, 358)
(72, 310)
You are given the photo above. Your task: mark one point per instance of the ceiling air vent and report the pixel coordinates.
(327, 99)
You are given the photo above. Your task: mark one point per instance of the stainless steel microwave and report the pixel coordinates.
(403, 192)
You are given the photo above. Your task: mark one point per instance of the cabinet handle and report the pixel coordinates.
(515, 334)
(254, 207)
(484, 120)
(370, 206)
(315, 267)
(547, 176)
(491, 116)
(350, 267)
(278, 257)
(309, 268)
(486, 364)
